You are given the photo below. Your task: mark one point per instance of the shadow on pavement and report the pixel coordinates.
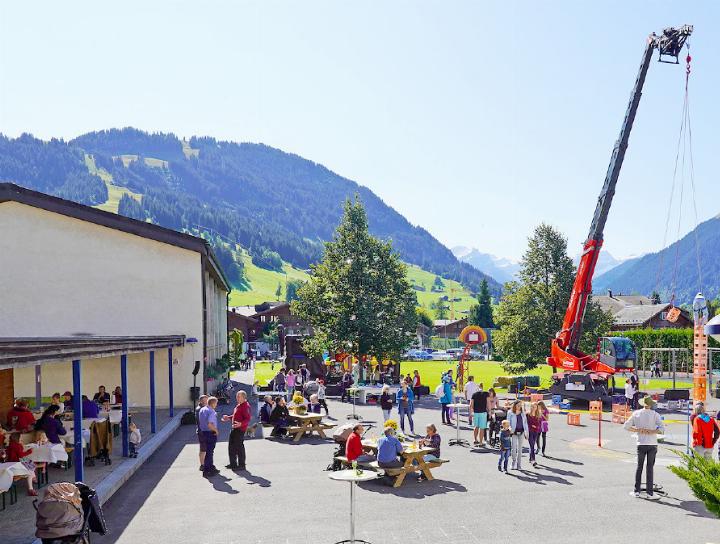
(694, 509)
(220, 483)
(252, 479)
(412, 489)
(568, 461)
(538, 477)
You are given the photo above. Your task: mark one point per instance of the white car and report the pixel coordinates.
(441, 356)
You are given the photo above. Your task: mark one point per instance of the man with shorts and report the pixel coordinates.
(470, 389)
(478, 408)
(202, 402)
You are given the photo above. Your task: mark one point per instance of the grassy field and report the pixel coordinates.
(421, 278)
(262, 284)
(115, 192)
(485, 372)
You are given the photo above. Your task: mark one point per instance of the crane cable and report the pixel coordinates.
(684, 150)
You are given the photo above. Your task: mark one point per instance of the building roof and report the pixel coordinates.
(447, 322)
(18, 352)
(639, 314)
(244, 317)
(9, 192)
(614, 303)
(246, 311)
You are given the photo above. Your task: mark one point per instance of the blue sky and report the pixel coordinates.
(477, 120)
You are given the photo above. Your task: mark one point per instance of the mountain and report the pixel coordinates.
(501, 269)
(277, 205)
(675, 265)
(605, 263)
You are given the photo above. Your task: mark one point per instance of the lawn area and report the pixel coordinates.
(453, 289)
(484, 371)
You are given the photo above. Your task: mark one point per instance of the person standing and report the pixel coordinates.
(202, 402)
(519, 430)
(416, 384)
(322, 396)
(478, 407)
(534, 419)
(705, 432)
(470, 389)
(345, 383)
(240, 420)
(647, 423)
(505, 446)
(406, 406)
(386, 402)
(629, 394)
(208, 424)
(544, 426)
(290, 380)
(446, 398)
(636, 390)
(279, 380)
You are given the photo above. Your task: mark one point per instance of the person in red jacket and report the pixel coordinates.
(15, 452)
(353, 446)
(240, 420)
(19, 418)
(705, 432)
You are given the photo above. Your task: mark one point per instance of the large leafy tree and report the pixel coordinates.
(481, 314)
(532, 310)
(358, 299)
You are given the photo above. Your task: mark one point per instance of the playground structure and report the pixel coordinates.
(471, 336)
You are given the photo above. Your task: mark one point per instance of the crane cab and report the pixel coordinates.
(617, 352)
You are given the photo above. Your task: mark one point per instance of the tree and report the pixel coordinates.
(291, 290)
(438, 284)
(441, 311)
(236, 339)
(655, 298)
(481, 314)
(424, 317)
(358, 299)
(278, 291)
(703, 477)
(531, 311)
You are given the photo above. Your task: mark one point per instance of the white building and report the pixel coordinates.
(78, 283)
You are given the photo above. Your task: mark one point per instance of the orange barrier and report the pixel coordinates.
(573, 419)
(536, 397)
(620, 413)
(595, 410)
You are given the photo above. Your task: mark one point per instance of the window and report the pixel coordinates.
(663, 316)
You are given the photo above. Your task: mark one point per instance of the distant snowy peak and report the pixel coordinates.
(500, 268)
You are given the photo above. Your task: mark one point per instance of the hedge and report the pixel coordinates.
(662, 338)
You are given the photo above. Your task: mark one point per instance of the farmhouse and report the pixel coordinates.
(449, 328)
(93, 298)
(639, 312)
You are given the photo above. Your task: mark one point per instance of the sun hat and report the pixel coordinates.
(649, 402)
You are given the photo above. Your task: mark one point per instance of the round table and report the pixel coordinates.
(353, 478)
(457, 441)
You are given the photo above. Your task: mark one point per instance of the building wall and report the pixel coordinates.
(57, 378)
(65, 277)
(216, 316)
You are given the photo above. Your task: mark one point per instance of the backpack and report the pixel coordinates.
(440, 391)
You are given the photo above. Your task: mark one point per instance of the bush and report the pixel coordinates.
(661, 338)
(703, 477)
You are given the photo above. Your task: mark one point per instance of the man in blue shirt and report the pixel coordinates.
(389, 447)
(208, 426)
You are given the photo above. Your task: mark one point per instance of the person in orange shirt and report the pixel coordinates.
(705, 432)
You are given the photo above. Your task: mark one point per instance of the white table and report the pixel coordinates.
(8, 471)
(47, 453)
(457, 441)
(353, 478)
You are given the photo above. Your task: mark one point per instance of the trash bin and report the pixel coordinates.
(194, 393)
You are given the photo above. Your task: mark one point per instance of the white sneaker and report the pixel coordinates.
(635, 494)
(652, 497)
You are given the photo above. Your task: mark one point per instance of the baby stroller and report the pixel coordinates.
(68, 513)
(495, 426)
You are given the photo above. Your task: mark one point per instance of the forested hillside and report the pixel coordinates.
(275, 204)
(673, 269)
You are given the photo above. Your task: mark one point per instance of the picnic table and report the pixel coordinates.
(413, 461)
(47, 453)
(9, 471)
(307, 424)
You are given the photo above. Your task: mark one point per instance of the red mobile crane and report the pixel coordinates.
(613, 353)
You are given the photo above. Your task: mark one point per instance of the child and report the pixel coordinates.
(314, 406)
(321, 396)
(505, 444)
(135, 439)
(15, 453)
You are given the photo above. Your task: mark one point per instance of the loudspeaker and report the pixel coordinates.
(196, 369)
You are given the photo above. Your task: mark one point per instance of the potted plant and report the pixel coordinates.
(299, 404)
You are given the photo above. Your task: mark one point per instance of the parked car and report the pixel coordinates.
(441, 356)
(455, 352)
(418, 355)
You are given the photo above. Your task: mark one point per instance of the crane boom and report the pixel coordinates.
(564, 350)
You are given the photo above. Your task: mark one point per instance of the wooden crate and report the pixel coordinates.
(573, 419)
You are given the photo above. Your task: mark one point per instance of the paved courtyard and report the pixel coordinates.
(578, 494)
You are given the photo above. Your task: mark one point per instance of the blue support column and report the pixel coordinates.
(77, 421)
(38, 387)
(170, 384)
(124, 421)
(153, 420)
